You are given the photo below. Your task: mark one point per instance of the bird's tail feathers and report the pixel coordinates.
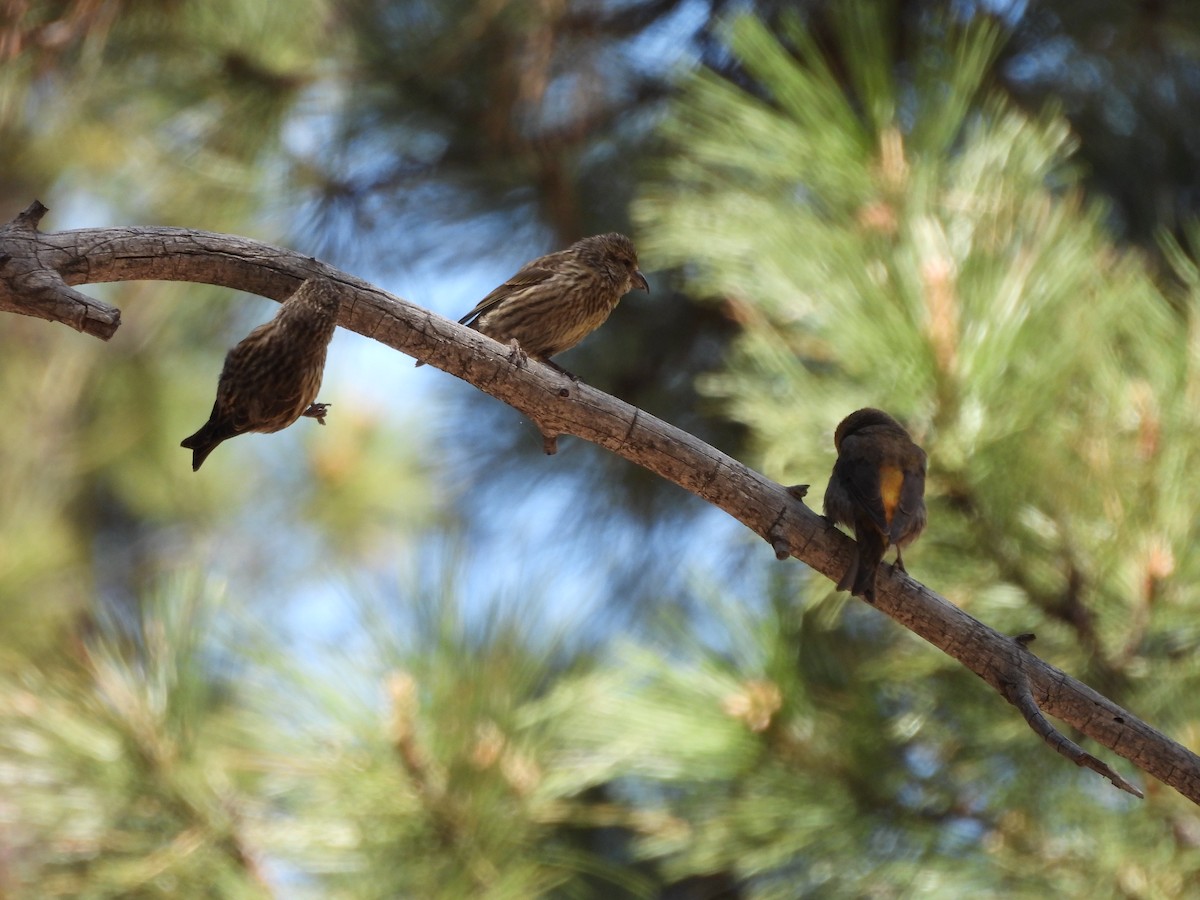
(860, 577)
(851, 574)
(202, 443)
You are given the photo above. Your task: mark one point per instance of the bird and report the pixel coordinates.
(877, 488)
(555, 301)
(271, 378)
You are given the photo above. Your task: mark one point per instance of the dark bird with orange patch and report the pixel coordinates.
(271, 378)
(555, 301)
(878, 489)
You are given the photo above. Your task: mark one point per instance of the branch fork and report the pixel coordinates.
(31, 288)
(1013, 684)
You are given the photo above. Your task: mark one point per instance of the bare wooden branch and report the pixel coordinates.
(558, 406)
(1015, 688)
(32, 288)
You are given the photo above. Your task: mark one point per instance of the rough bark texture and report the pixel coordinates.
(37, 269)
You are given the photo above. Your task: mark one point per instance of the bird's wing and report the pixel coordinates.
(250, 390)
(860, 473)
(910, 510)
(230, 412)
(531, 273)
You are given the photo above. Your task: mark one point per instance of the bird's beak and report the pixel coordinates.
(639, 280)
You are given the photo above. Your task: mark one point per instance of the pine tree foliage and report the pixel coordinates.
(116, 765)
(913, 242)
(882, 233)
(951, 273)
(181, 758)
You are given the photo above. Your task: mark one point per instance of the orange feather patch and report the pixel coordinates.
(891, 480)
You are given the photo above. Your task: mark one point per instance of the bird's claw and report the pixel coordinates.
(516, 355)
(317, 411)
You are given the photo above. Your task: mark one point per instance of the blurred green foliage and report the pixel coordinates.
(350, 661)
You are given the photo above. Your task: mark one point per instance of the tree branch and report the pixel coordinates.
(31, 287)
(559, 406)
(1016, 690)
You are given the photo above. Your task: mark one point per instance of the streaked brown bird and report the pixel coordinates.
(271, 378)
(878, 489)
(557, 300)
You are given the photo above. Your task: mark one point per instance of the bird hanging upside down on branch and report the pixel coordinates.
(271, 378)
